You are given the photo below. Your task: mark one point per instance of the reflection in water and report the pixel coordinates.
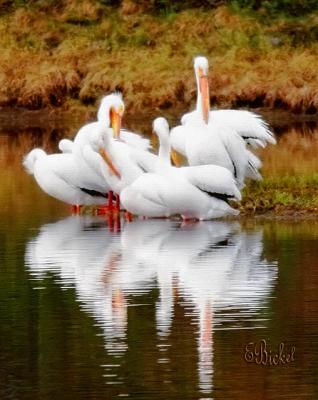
(174, 305)
(214, 270)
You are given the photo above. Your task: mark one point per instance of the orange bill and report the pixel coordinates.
(115, 120)
(204, 89)
(109, 162)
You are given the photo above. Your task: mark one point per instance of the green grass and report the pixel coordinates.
(282, 193)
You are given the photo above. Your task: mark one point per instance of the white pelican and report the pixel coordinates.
(250, 126)
(110, 114)
(57, 176)
(89, 162)
(200, 192)
(125, 153)
(220, 137)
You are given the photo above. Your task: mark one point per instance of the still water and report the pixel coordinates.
(152, 309)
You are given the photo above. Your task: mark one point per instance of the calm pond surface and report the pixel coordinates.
(152, 309)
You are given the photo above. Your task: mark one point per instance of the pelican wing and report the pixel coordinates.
(135, 140)
(144, 197)
(236, 149)
(215, 180)
(253, 165)
(250, 126)
(64, 168)
(145, 160)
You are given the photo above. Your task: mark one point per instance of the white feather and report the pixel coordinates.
(193, 192)
(57, 175)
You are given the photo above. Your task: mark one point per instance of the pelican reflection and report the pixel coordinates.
(215, 270)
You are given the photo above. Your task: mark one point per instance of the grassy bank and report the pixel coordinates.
(290, 184)
(70, 53)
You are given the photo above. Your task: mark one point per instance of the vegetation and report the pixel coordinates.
(290, 178)
(278, 7)
(68, 53)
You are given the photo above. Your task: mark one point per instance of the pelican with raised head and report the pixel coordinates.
(220, 137)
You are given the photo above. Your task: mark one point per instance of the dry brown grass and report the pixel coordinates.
(294, 155)
(81, 50)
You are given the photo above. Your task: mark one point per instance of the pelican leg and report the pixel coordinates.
(105, 208)
(110, 200)
(117, 207)
(117, 224)
(76, 209)
(110, 222)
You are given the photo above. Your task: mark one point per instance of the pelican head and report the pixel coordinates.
(201, 62)
(111, 111)
(66, 146)
(161, 128)
(30, 159)
(201, 68)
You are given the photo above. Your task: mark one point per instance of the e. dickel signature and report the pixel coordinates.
(261, 354)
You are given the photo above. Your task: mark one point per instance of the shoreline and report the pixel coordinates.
(283, 194)
(19, 117)
(287, 215)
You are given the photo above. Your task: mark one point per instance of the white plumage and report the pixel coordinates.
(89, 161)
(249, 125)
(57, 176)
(104, 157)
(220, 137)
(194, 192)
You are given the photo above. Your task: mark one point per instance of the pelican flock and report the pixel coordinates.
(105, 163)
